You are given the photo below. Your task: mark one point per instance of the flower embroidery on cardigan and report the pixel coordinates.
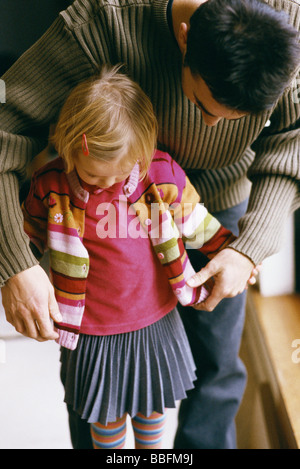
(58, 218)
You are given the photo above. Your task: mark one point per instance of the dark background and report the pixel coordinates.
(22, 22)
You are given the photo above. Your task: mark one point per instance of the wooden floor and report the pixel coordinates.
(270, 413)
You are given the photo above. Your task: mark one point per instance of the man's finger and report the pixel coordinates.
(202, 276)
(19, 326)
(31, 329)
(45, 329)
(252, 281)
(211, 302)
(25, 326)
(54, 309)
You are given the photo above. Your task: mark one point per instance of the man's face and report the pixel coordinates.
(198, 93)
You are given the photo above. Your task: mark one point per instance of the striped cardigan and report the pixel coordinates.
(167, 207)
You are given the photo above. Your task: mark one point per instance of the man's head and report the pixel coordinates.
(243, 51)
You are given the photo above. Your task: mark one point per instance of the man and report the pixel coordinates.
(217, 72)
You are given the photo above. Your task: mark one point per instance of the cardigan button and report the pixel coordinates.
(128, 190)
(161, 255)
(148, 221)
(149, 198)
(178, 291)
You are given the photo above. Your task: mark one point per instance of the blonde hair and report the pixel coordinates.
(115, 115)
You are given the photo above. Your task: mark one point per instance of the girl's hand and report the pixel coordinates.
(29, 303)
(232, 272)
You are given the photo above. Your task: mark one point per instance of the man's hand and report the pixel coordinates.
(232, 272)
(29, 303)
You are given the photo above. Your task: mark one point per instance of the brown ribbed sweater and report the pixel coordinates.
(220, 161)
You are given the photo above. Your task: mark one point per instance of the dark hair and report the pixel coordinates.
(244, 50)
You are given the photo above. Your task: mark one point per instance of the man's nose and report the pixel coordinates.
(210, 121)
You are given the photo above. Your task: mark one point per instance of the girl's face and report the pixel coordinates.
(103, 174)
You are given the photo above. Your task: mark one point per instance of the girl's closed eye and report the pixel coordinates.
(103, 173)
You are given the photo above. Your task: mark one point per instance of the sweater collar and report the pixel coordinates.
(132, 182)
(160, 14)
(83, 195)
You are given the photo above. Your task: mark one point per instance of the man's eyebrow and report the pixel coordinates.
(203, 107)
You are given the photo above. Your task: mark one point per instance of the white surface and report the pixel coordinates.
(278, 272)
(32, 412)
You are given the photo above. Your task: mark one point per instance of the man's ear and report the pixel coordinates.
(182, 37)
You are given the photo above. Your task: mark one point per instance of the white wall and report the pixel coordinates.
(278, 272)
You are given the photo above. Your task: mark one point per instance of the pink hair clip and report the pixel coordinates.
(84, 145)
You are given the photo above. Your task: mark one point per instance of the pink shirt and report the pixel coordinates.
(116, 303)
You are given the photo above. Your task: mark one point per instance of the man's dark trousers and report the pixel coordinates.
(207, 417)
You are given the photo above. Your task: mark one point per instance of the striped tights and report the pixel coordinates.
(148, 432)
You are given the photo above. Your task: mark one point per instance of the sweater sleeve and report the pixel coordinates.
(35, 220)
(197, 227)
(36, 87)
(275, 176)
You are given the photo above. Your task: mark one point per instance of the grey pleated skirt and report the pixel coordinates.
(142, 371)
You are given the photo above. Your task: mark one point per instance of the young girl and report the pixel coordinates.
(105, 209)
